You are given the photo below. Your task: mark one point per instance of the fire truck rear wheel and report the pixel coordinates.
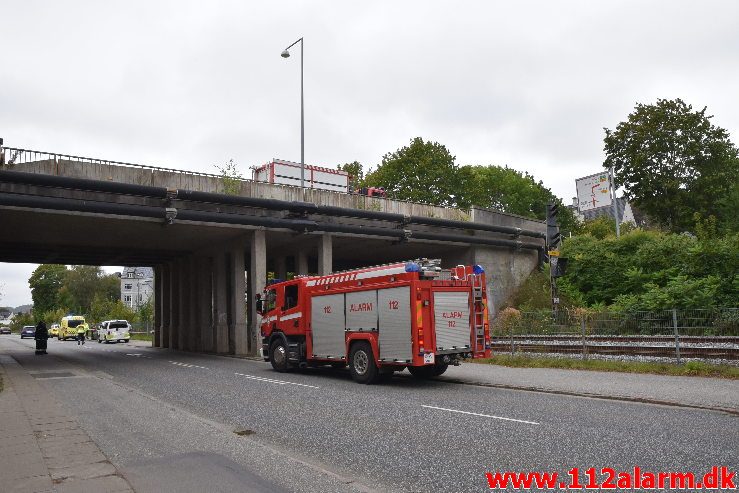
(362, 364)
(439, 369)
(278, 355)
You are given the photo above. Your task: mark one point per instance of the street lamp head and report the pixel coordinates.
(285, 54)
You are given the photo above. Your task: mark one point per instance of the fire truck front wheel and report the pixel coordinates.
(278, 355)
(362, 364)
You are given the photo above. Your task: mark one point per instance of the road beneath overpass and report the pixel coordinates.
(155, 412)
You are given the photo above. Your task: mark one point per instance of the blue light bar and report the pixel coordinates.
(478, 269)
(412, 267)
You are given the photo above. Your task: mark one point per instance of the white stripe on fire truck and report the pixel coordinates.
(292, 316)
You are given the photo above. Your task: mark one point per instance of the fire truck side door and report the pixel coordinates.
(290, 313)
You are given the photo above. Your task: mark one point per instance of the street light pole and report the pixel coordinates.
(286, 54)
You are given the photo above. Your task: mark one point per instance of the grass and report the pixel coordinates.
(691, 368)
(141, 337)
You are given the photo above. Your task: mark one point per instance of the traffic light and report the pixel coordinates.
(553, 234)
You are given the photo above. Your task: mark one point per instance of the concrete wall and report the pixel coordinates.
(506, 269)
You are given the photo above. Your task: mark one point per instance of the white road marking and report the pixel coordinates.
(278, 382)
(185, 365)
(482, 415)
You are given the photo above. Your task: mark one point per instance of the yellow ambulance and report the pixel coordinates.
(69, 325)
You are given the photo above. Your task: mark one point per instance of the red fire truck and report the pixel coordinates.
(378, 320)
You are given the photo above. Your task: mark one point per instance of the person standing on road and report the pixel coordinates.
(81, 334)
(41, 336)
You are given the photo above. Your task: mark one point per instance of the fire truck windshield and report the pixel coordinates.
(270, 300)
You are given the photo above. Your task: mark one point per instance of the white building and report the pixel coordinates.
(137, 286)
(625, 213)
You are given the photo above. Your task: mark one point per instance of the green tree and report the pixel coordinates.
(419, 172)
(230, 178)
(53, 316)
(603, 226)
(83, 283)
(650, 270)
(508, 190)
(21, 319)
(103, 308)
(356, 173)
(45, 283)
(145, 314)
(672, 162)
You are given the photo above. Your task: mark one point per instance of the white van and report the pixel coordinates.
(114, 331)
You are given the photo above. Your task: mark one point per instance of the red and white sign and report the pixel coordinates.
(593, 191)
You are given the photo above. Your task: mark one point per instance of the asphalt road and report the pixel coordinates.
(168, 420)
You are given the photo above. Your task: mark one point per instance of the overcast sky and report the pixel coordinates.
(188, 85)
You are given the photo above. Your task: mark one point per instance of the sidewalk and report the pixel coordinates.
(43, 449)
(698, 392)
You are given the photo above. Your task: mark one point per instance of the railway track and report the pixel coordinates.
(630, 338)
(617, 348)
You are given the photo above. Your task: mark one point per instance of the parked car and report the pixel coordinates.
(114, 331)
(54, 330)
(4, 329)
(28, 331)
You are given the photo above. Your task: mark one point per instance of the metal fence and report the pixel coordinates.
(675, 333)
(13, 155)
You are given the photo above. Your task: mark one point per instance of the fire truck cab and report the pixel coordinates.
(377, 320)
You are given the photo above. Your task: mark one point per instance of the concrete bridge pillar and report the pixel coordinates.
(157, 339)
(257, 280)
(220, 302)
(238, 334)
(281, 267)
(165, 289)
(183, 290)
(205, 304)
(505, 270)
(174, 304)
(193, 335)
(325, 255)
(301, 262)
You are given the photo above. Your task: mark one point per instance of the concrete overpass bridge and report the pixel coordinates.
(211, 252)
